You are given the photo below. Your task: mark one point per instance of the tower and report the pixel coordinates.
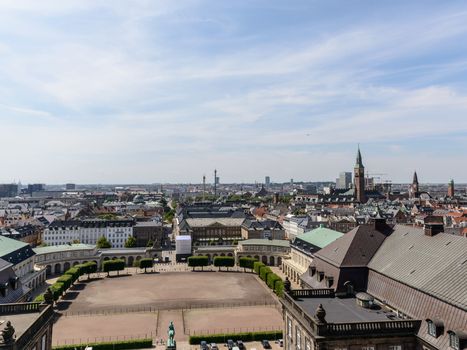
(215, 182)
(414, 189)
(359, 179)
(204, 186)
(451, 189)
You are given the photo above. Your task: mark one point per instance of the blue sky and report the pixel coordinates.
(166, 91)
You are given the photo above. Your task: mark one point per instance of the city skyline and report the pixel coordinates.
(98, 92)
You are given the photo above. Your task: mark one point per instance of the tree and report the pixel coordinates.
(130, 242)
(150, 243)
(145, 263)
(200, 260)
(102, 242)
(89, 267)
(113, 265)
(264, 271)
(247, 263)
(257, 265)
(76, 241)
(227, 261)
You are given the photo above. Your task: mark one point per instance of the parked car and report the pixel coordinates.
(266, 344)
(203, 345)
(281, 343)
(240, 345)
(214, 346)
(230, 344)
(235, 348)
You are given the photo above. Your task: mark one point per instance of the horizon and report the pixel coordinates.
(112, 93)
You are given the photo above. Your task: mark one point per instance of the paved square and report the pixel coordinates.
(197, 302)
(173, 290)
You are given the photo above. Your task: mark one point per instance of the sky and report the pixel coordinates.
(166, 91)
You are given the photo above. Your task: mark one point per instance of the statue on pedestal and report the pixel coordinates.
(8, 333)
(171, 343)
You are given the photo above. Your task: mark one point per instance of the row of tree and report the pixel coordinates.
(219, 261)
(67, 280)
(103, 242)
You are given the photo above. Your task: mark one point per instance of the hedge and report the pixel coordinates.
(271, 280)
(264, 271)
(246, 337)
(57, 290)
(257, 265)
(67, 280)
(227, 261)
(74, 271)
(247, 263)
(113, 265)
(116, 345)
(39, 299)
(200, 260)
(88, 268)
(145, 263)
(279, 288)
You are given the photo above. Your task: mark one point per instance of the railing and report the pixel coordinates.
(19, 308)
(312, 293)
(44, 320)
(357, 328)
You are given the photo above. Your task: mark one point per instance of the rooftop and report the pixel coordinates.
(341, 310)
(268, 242)
(61, 248)
(8, 245)
(320, 237)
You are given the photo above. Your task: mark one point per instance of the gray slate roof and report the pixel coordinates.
(435, 265)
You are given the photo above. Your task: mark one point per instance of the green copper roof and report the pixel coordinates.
(62, 248)
(8, 245)
(320, 237)
(265, 241)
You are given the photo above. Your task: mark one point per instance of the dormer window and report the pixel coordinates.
(4, 289)
(312, 270)
(454, 341)
(435, 327)
(329, 281)
(320, 276)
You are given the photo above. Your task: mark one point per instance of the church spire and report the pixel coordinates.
(415, 178)
(359, 163)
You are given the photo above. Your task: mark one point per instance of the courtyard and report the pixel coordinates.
(143, 305)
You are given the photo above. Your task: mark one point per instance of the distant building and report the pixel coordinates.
(35, 188)
(267, 181)
(269, 229)
(8, 190)
(88, 232)
(414, 191)
(149, 231)
(344, 181)
(70, 187)
(451, 189)
(359, 179)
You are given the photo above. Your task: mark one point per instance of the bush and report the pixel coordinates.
(145, 263)
(88, 268)
(246, 337)
(257, 265)
(113, 265)
(271, 280)
(57, 290)
(116, 345)
(264, 271)
(201, 260)
(247, 263)
(75, 272)
(279, 288)
(66, 280)
(39, 299)
(227, 261)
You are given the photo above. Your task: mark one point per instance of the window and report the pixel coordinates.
(431, 328)
(454, 340)
(368, 347)
(298, 338)
(307, 344)
(395, 347)
(44, 342)
(289, 327)
(329, 281)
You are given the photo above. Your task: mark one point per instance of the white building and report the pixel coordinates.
(88, 232)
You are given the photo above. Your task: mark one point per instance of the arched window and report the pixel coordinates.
(454, 342)
(435, 327)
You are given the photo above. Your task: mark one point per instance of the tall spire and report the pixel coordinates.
(415, 178)
(359, 163)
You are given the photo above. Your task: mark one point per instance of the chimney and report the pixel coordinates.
(433, 225)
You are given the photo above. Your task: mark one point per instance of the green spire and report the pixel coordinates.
(359, 163)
